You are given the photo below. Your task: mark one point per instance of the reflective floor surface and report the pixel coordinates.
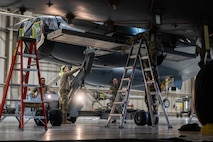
(93, 129)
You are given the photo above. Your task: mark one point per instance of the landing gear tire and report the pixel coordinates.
(203, 94)
(141, 117)
(56, 117)
(40, 122)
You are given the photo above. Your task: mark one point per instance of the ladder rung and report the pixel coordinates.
(125, 79)
(118, 103)
(32, 101)
(14, 84)
(129, 67)
(115, 114)
(150, 82)
(26, 85)
(26, 69)
(153, 93)
(34, 117)
(7, 114)
(28, 55)
(145, 57)
(31, 85)
(147, 69)
(15, 100)
(29, 69)
(133, 56)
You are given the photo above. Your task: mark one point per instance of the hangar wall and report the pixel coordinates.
(3, 57)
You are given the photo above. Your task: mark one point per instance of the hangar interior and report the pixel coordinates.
(179, 98)
(179, 104)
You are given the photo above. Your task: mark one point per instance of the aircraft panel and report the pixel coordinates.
(84, 39)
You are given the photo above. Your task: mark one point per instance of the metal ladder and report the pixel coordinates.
(24, 79)
(152, 91)
(124, 88)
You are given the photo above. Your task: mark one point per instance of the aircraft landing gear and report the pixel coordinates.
(142, 118)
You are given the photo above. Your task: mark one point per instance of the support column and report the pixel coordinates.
(3, 57)
(205, 55)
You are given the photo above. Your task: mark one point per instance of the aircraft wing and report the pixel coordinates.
(62, 44)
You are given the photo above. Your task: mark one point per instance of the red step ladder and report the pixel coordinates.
(31, 42)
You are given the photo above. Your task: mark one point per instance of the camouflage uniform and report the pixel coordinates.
(64, 90)
(114, 89)
(45, 88)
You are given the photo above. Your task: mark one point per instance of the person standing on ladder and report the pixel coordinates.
(154, 44)
(64, 90)
(113, 90)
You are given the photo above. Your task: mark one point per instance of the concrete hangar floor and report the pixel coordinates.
(93, 129)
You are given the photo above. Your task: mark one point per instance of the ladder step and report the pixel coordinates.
(125, 79)
(150, 81)
(31, 85)
(118, 103)
(29, 55)
(145, 57)
(26, 55)
(147, 69)
(153, 93)
(26, 69)
(133, 56)
(129, 67)
(115, 114)
(29, 69)
(25, 85)
(34, 117)
(14, 85)
(15, 100)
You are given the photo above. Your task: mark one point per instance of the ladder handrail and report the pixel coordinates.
(8, 79)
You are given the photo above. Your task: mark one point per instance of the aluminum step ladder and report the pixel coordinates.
(30, 45)
(153, 94)
(123, 93)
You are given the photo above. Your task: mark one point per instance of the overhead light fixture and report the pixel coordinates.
(49, 3)
(113, 4)
(188, 40)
